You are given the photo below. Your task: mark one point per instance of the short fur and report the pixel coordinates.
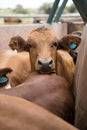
(19, 114)
(49, 91)
(18, 62)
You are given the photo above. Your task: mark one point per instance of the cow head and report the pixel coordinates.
(42, 44)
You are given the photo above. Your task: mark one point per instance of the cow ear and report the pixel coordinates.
(17, 43)
(5, 71)
(69, 42)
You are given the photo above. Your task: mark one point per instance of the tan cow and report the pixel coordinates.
(18, 62)
(19, 114)
(49, 91)
(43, 45)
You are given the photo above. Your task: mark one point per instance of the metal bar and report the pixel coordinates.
(81, 5)
(60, 11)
(53, 10)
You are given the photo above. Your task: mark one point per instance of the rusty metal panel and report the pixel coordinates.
(80, 84)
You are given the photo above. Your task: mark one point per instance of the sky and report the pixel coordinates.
(26, 3)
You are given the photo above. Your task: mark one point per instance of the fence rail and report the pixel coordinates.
(71, 15)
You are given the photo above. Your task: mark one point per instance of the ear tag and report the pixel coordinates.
(73, 46)
(3, 79)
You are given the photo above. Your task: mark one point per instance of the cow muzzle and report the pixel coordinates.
(45, 66)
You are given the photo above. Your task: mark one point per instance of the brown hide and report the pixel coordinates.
(65, 66)
(18, 62)
(19, 114)
(49, 91)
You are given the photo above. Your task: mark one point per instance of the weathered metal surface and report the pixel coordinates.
(80, 84)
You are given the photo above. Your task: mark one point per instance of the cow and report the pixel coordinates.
(49, 91)
(18, 62)
(19, 114)
(43, 47)
(12, 20)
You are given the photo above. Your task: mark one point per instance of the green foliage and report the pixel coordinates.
(20, 10)
(70, 9)
(45, 8)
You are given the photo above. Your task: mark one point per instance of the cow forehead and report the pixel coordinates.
(47, 36)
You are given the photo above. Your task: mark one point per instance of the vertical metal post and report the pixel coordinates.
(53, 10)
(60, 11)
(81, 5)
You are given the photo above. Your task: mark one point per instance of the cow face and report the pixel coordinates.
(43, 48)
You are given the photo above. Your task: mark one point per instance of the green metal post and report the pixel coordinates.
(53, 10)
(60, 11)
(81, 5)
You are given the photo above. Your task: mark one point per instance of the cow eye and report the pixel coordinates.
(54, 45)
(30, 46)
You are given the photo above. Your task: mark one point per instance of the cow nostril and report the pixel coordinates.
(50, 62)
(39, 62)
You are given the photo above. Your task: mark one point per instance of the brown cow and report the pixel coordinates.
(19, 114)
(42, 46)
(12, 20)
(50, 91)
(18, 62)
